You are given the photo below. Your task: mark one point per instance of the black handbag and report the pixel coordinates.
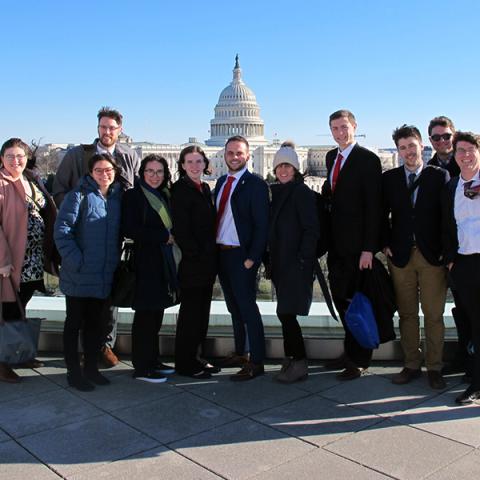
(18, 338)
(123, 288)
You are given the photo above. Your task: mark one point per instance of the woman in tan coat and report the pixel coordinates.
(27, 215)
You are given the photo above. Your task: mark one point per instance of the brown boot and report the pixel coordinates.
(108, 358)
(7, 374)
(295, 371)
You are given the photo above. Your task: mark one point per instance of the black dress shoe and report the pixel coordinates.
(350, 373)
(467, 397)
(208, 367)
(435, 380)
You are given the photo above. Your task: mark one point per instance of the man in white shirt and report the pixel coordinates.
(461, 239)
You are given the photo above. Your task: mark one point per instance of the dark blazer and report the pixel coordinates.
(355, 205)
(292, 244)
(449, 224)
(250, 204)
(402, 222)
(193, 215)
(142, 224)
(452, 168)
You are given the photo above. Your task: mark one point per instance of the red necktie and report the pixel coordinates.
(336, 171)
(223, 199)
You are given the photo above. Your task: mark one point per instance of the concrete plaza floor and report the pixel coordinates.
(216, 429)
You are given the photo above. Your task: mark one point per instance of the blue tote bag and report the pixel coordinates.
(361, 322)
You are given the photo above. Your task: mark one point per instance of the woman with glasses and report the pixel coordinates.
(87, 234)
(27, 215)
(292, 244)
(194, 228)
(147, 221)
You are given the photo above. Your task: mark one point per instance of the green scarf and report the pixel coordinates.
(160, 207)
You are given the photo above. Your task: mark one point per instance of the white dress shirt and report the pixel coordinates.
(467, 216)
(345, 153)
(227, 231)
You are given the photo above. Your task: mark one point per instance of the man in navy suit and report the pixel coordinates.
(411, 237)
(352, 192)
(242, 203)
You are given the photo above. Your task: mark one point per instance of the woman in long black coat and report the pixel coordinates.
(194, 230)
(293, 237)
(146, 219)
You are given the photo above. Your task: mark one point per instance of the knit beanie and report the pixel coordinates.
(286, 155)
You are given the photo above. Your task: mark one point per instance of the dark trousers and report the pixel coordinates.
(86, 314)
(192, 327)
(11, 310)
(464, 332)
(343, 275)
(292, 336)
(239, 290)
(466, 281)
(145, 328)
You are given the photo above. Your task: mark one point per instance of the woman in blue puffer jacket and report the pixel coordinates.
(87, 236)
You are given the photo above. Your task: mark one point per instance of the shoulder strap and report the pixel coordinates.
(325, 290)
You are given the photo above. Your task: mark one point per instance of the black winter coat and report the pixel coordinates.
(292, 243)
(142, 224)
(194, 219)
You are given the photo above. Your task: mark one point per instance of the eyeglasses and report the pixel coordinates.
(444, 136)
(469, 191)
(151, 173)
(19, 157)
(107, 170)
(107, 129)
(464, 151)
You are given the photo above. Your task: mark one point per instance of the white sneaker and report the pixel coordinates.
(151, 377)
(164, 369)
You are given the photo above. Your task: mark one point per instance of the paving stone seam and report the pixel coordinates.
(431, 475)
(432, 433)
(23, 447)
(368, 467)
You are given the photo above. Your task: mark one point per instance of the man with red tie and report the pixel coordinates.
(242, 205)
(352, 192)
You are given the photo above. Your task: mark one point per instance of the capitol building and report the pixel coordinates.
(238, 113)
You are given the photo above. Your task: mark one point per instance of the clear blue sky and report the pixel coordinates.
(164, 63)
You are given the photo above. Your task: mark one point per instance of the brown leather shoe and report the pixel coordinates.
(337, 363)
(108, 358)
(435, 380)
(7, 374)
(248, 372)
(350, 373)
(232, 361)
(406, 376)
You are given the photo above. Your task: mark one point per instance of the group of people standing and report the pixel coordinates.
(183, 236)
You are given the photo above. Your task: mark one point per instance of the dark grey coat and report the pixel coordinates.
(292, 243)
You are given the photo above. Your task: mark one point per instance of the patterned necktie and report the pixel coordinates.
(223, 199)
(336, 171)
(469, 191)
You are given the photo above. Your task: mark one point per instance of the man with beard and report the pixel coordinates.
(75, 164)
(242, 205)
(411, 237)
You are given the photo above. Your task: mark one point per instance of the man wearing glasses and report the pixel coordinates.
(75, 164)
(441, 130)
(461, 240)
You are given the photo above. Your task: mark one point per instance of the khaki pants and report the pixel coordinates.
(419, 279)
